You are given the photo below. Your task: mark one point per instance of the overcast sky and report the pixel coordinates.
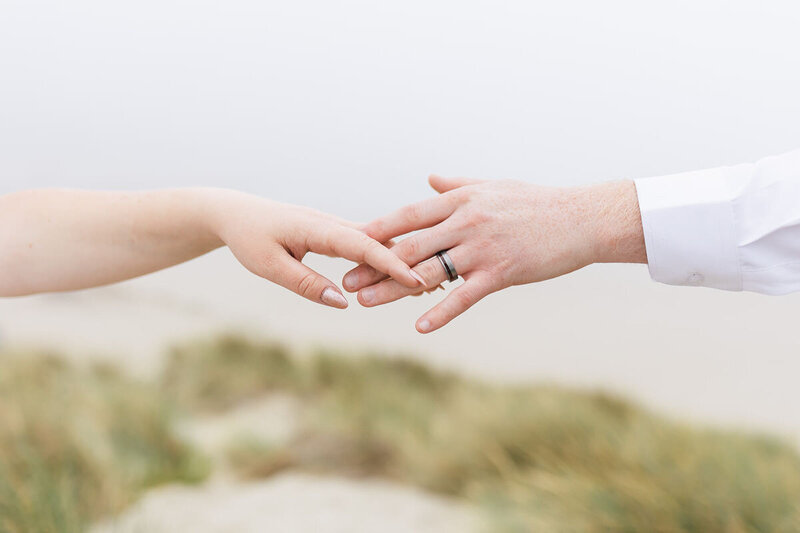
(348, 105)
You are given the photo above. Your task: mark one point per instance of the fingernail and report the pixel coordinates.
(367, 295)
(424, 326)
(333, 298)
(350, 281)
(417, 277)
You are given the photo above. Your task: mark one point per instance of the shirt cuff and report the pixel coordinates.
(690, 228)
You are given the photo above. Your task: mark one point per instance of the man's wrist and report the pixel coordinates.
(617, 223)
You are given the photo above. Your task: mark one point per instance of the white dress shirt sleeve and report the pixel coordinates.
(734, 228)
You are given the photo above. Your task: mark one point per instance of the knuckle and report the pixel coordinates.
(503, 272)
(463, 299)
(365, 240)
(476, 217)
(474, 190)
(318, 238)
(329, 242)
(371, 252)
(371, 246)
(410, 248)
(412, 212)
(375, 229)
(457, 195)
(432, 272)
(305, 285)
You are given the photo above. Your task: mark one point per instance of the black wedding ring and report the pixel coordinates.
(447, 264)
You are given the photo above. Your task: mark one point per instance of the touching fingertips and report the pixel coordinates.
(417, 277)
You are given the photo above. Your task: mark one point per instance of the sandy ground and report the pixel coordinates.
(271, 419)
(293, 503)
(719, 357)
(289, 502)
(722, 358)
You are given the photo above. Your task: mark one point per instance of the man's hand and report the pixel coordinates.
(499, 234)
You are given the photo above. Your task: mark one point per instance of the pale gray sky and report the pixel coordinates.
(348, 105)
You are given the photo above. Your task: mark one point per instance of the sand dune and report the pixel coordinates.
(727, 358)
(294, 503)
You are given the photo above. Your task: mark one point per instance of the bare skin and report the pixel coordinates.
(500, 234)
(60, 240)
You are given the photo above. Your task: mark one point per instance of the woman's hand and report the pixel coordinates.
(61, 240)
(270, 239)
(499, 234)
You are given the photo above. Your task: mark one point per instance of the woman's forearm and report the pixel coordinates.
(57, 240)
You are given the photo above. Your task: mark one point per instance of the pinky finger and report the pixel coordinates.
(462, 298)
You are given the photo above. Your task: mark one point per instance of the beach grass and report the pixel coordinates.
(535, 458)
(78, 444)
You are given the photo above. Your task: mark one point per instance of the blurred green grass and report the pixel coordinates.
(536, 458)
(77, 444)
(80, 443)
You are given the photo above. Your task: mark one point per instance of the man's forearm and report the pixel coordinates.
(617, 223)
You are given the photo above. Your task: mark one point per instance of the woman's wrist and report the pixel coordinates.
(217, 211)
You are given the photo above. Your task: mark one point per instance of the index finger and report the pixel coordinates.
(358, 247)
(412, 217)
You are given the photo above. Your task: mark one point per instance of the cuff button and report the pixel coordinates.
(695, 278)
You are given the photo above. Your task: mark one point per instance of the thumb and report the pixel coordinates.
(290, 273)
(442, 185)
